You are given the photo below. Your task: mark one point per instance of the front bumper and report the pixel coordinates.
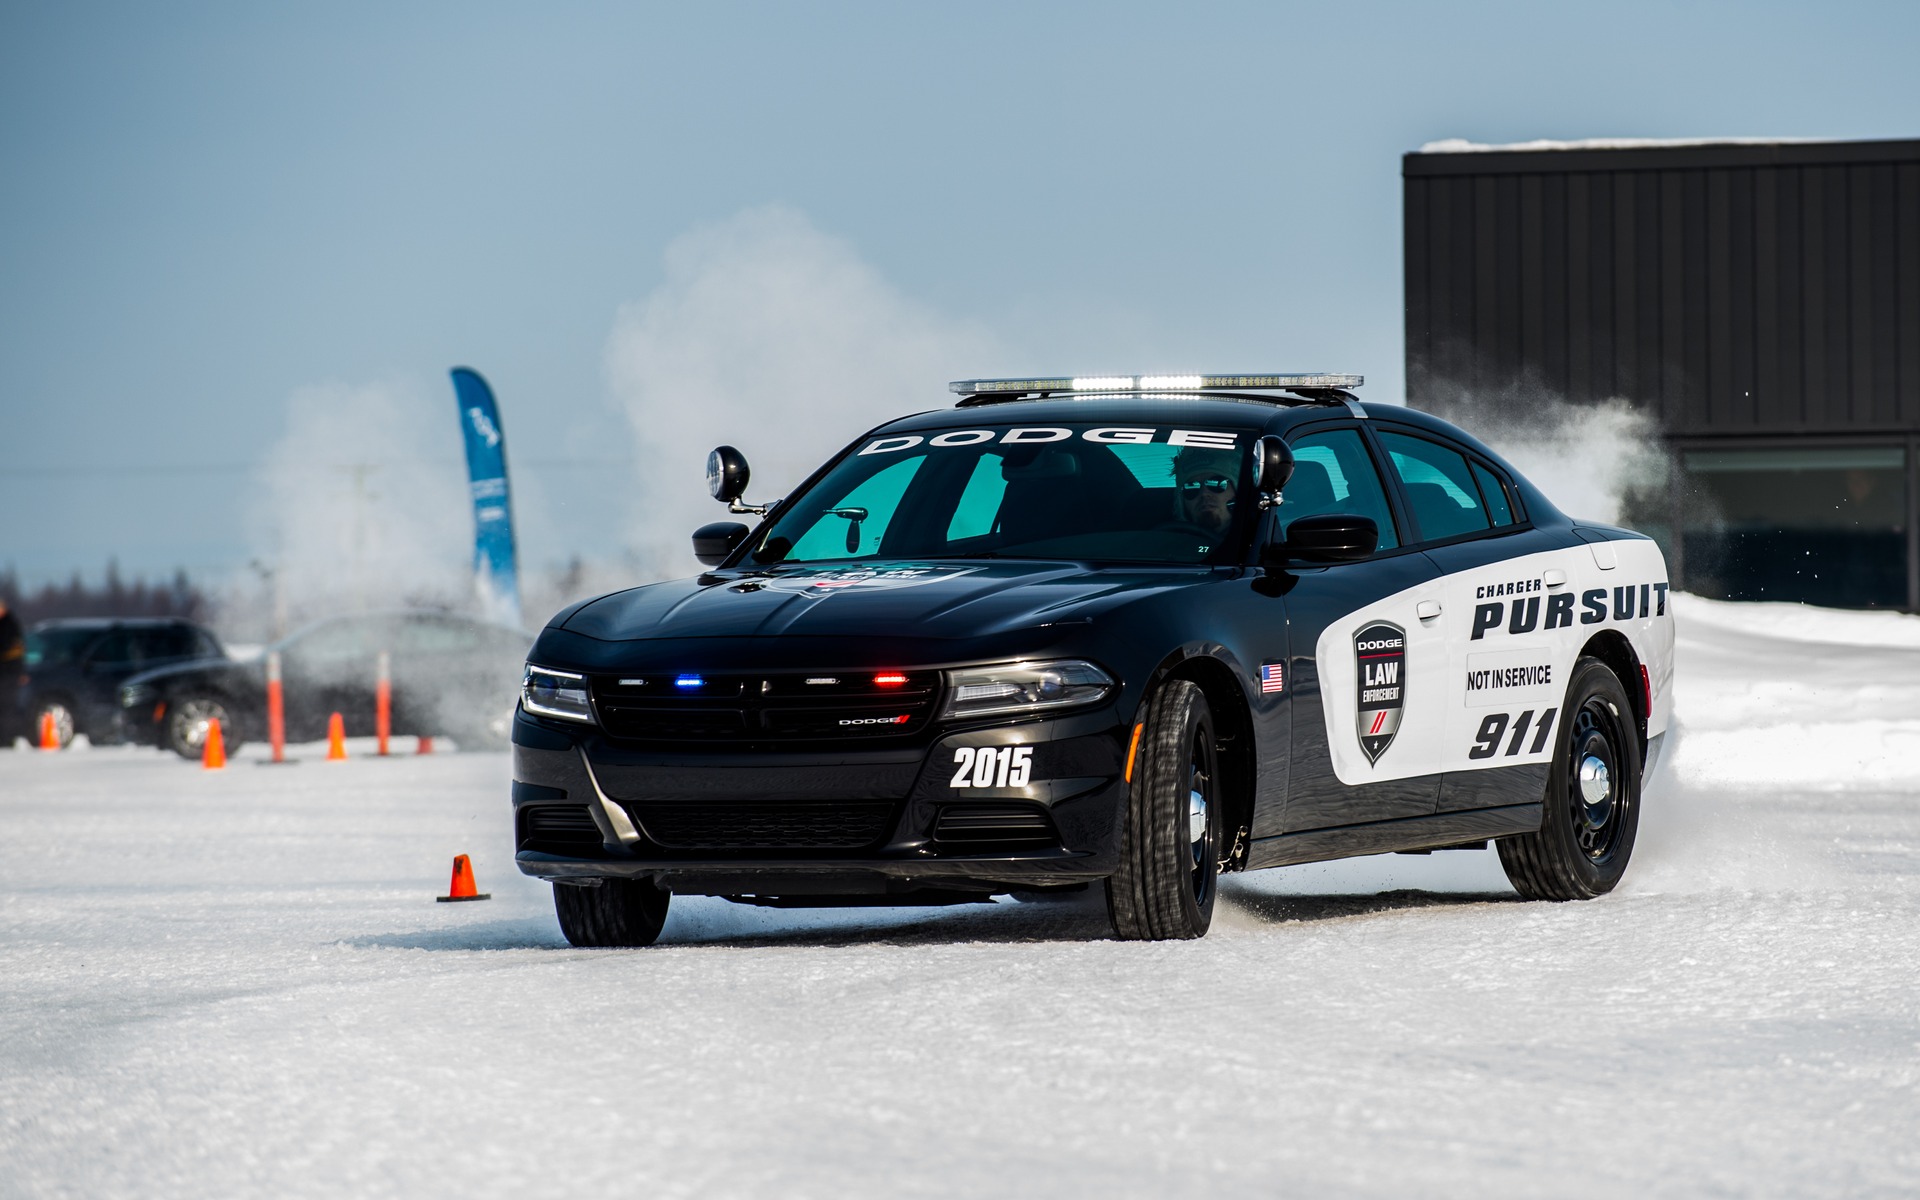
(651, 812)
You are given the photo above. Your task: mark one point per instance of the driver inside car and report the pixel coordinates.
(1205, 482)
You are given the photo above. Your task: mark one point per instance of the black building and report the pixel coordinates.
(1762, 300)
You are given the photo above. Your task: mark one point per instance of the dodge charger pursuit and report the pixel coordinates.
(1126, 632)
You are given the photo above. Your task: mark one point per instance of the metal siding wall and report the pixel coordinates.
(1813, 376)
(1767, 389)
(1783, 405)
(1418, 263)
(1885, 264)
(1730, 291)
(1673, 329)
(1553, 276)
(1533, 317)
(1907, 321)
(1692, 410)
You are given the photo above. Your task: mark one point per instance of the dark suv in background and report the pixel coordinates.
(76, 666)
(451, 675)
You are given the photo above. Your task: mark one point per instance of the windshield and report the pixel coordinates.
(1141, 493)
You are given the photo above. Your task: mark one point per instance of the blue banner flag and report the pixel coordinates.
(495, 576)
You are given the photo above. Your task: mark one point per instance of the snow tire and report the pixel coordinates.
(184, 728)
(615, 912)
(1165, 886)
(1583, 844)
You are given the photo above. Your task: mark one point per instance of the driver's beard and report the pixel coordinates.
(1211, 513)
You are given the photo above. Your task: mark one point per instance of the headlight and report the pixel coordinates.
(135, 696)
(553, 693)
(1025, 687)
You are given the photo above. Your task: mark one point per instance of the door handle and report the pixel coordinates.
(1554, 577)
(1427, 610)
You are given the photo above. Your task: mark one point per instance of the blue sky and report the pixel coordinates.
(205, 208)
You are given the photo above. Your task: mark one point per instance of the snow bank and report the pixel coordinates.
(1801, 622)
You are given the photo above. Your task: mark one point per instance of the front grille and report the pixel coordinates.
(972, 828)
(559, 829)
(784, 825)
(767, 711)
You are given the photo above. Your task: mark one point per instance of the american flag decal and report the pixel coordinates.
(1272, 677)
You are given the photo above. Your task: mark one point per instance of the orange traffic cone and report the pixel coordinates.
(462, 886)
(426, 744)
(213, 751)
(49, 732)
(336, 739)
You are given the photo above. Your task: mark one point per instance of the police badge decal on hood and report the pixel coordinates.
(1380, 649)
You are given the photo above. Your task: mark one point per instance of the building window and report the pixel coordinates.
(1821, 526)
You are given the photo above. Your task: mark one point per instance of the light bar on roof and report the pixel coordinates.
(1153, 383)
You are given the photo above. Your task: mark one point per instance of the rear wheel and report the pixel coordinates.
(64, 725)
(614, 912)
(1170, 847)
(1592, 806)
(188, 720)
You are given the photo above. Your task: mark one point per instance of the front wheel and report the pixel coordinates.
(189, 718)
(1592, 806)
(614, 912)
(1170, 846)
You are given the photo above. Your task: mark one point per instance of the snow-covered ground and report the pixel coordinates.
(240, 984)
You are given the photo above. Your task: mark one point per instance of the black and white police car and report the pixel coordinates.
(1127, 631)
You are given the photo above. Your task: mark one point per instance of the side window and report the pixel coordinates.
(1333, 473)
(1495, 494)
(166, 643)
(113, 651)
(853, 527)
(1440, 488)
(980, 500)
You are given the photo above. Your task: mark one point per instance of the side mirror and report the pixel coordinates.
(727, 474)
(712, 543)
(1331, 538)
(1272, 467)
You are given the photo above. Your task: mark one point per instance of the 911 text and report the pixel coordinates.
(1487, 742)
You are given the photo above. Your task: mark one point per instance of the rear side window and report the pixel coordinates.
(1439, 485)
(1333, 473)
(1495, 494)
(114, 651)
(166, 643)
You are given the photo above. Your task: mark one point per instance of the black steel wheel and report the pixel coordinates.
(1592, 806)
(1171, 844)
(188, 720)
(613, 912)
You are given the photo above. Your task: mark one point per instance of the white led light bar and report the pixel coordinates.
(1154, 383)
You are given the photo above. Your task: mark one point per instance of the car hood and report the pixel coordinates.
(947, 600)
(202, 668)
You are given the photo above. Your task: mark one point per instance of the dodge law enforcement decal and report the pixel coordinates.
(1381, 652)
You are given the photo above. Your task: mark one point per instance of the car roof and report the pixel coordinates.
(105, 623)
(1244, 411)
